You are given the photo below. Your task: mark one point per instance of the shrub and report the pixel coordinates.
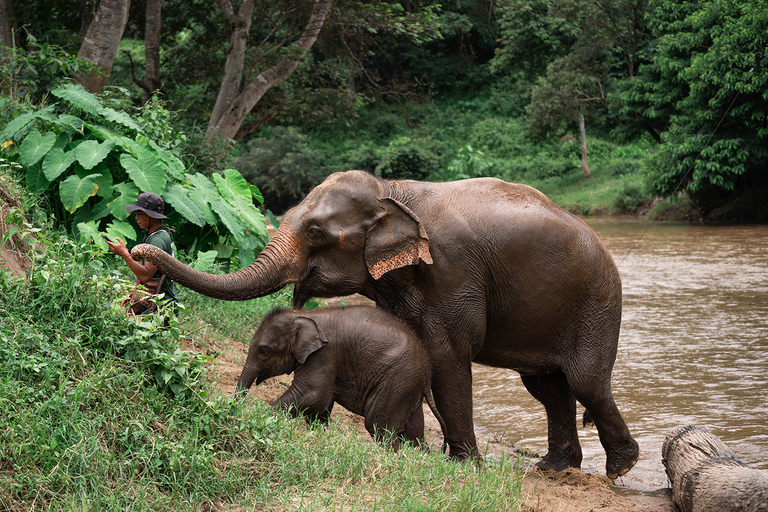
(406, 158)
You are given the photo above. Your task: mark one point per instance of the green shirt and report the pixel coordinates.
(161, 238)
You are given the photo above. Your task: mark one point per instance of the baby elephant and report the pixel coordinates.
(361, 357)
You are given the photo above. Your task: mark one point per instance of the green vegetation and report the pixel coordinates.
(102, 412)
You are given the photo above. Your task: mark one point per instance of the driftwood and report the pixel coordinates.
(707, 476)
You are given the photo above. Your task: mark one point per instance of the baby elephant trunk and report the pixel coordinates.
(244, 383)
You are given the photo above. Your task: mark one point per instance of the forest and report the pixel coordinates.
(225, 104)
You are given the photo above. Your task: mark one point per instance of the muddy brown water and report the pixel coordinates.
(693, 348)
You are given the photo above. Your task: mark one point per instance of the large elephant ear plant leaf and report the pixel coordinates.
(101, 159)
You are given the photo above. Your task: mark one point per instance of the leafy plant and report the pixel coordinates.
(409, 159)
(102, 158)
(34, 73)
(469, 163)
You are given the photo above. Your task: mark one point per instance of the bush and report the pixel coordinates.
(410, 159)
(628, 199)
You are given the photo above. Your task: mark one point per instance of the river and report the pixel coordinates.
(693, 348)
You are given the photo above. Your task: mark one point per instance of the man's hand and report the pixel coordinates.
(118, 248)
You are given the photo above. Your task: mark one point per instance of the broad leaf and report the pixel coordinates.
(71, 121)
(16, 128)
(104, 181)
(205, 261)
(257, 195)
(126, 194)
(229, 217)
(89, 231)
(175, 165)
(250, 215)
(35, 147)
(232, 184)
(56, 162)
(122, 229)
(177, 197)
(100, 210)
(119, 118)
(203, 193)
(36, 180)
(148, 175)
(79, 97)
(74, 191)
(90, 152)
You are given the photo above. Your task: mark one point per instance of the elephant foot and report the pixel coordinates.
(619, 462)
(561, 460)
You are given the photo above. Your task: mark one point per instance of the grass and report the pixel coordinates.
(99, 412)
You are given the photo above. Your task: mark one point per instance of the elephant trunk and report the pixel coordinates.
(276, 266)
(244, 383)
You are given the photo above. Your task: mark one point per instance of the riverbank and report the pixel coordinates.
(567, 491)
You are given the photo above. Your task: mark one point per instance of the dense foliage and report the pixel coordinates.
(706, 91)
(101, 158)
(405, 91)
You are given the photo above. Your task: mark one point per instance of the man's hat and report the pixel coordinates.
(149, 203)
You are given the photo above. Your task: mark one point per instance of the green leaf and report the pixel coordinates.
(89, 231)
(205, 261)
(232, 184)
(35, 147)
(229, 217)
(16, 128)
(56, 162)
(74, 191)
(36, 180)
(203, 193)
(176, 196)
(175, 166)
(257, 194)
(79, 97)
(127, 194)
(100, 210)
(250, 215)
(90, 152)
(104, 181)
(120, 118)
(71, 121)
(148, 174)
(273, 220)
(122, 229)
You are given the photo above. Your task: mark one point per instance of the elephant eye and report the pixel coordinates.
(263, 352)
(314, 233)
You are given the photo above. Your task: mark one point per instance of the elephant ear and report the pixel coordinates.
(397, 239)
(307, 338)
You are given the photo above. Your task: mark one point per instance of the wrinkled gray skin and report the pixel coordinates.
(360, 357)
(482, 270)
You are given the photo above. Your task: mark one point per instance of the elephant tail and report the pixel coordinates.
(431, 403)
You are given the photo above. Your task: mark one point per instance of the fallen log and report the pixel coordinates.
(707, 476)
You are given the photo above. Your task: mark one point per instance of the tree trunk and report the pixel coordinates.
(7, 25)
(101, 42)
(232, 106)
(584, 164)
(152, 48)
(707, 477)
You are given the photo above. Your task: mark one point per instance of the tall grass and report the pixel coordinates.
(100, 412)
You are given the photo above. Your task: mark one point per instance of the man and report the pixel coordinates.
(148, 210)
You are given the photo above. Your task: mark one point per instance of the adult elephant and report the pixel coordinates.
(483, 270)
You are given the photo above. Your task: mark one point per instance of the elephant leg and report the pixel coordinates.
(414, 426)
(551, 389)
(452, 391)
(621, 450)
